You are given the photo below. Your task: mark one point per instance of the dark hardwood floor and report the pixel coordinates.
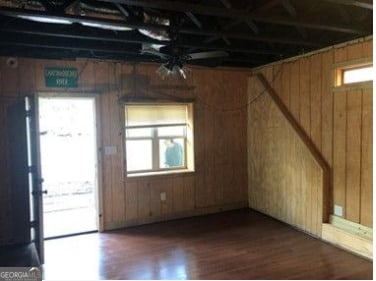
(239, 244)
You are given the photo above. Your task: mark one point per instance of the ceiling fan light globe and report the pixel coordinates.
(163, 71)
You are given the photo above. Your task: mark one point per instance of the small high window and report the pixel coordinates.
(158, 138)
(359, 74)
(353, 73)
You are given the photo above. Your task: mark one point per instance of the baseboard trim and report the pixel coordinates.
(180, 215)
(350, 236)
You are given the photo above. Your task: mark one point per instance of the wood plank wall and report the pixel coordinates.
(220, 179)
(286, 180)
(339, 123)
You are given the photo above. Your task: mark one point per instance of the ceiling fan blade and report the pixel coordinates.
(206, 55)
(155, 53)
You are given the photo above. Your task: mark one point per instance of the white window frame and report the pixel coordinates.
(187, 136)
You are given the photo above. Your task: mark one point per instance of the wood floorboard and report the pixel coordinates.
(241, 244)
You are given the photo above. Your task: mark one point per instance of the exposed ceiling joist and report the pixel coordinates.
(236, 14)
(360, 4)
(123, 38)
(243, 33)
(128, 24)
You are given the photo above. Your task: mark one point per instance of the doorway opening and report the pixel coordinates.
(68, 165)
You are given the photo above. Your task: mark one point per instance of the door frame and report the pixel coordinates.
(98, 193)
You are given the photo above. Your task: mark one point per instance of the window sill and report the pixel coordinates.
(353, 86)
(159, 174)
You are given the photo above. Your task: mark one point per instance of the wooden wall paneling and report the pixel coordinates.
(87, 76)
(305, 122)
(189, 193)
(144, 200)
(270, 125)
(368, 48)
(131, 201)
(315, 100)
(339, 139)
(39, 75)
(353, 155)
(210, 97)
(166, 186)
(9, 78)
(294, 90)
(26, 74)
(219, 151)
(304, 95)
(355, 51)
(339, 149)
(255, 146)
(327, 97)
(284, 74)
(178, 204)
(315, 133)
(156, 188)
(288, 162)
(366, 180)
(200, 111)
(277, 83)
(101, 77)
(118, 200)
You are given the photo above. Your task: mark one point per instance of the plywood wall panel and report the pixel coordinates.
(339, 149)
(294, 90)
(368, 48)
(144, 199)
(26, 69)
(366, 180)
(9, 78)
(315, 100)
(327, 106)
(281, 177)
(220, 144)
(353, 154)
(304, 95)
(284, 73)
(335, 121)
(131, 201)
(106, 159)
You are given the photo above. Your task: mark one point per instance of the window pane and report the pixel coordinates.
(137, 133)
(139, 155)
(358, 75)
(171, 153)
(171, 131)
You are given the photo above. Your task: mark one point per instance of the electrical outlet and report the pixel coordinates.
(163, 196)
(338, 211)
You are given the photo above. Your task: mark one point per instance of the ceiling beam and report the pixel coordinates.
(194, 19)
(236, 14)
(122, 10)
(360, 4)
(70, 32)
(134, 25)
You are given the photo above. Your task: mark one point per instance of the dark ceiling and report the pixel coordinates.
(244, 33)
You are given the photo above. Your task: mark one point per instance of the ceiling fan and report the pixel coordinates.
(174, 58)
